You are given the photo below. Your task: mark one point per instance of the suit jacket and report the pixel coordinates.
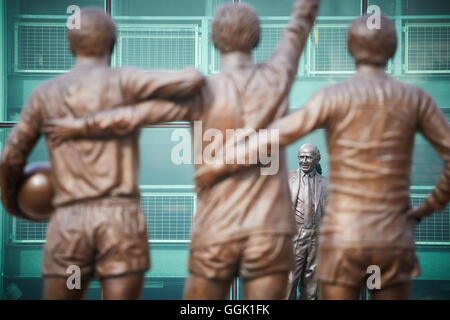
(320, 192)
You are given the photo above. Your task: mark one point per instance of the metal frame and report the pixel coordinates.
(194, 195)
(309, 54)
(127, 27)
(13, 234)
(117, 56)
(143, 194)
(406, 31)
(397, 59)
(173, 194)
(18, 24)
(211, 68)
(424, 196)
(202, 44)
(163, 18)
(271, 26)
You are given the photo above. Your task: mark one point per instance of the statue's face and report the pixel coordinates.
(307, 160)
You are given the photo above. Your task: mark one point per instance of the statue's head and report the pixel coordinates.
(372, 46)
(96, 35)
(235, 27)
(308, 157)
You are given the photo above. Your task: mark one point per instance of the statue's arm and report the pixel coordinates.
(138, 85)
(285, 58)
(19, 145)
(124, 120)
(316, 114)
(118, 122)
(435, 127)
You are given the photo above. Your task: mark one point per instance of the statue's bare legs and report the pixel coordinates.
(199, 288)
(400, 291)
(329, 291)
(55, 288)
(126, 287)
(270, 287)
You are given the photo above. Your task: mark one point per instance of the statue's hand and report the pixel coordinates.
(60, 130)
(417, 213)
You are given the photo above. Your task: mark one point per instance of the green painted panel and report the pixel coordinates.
(19, 89)
(157, 167)
(24, 261)
(303, 89)
(387, 6)
(266, 7)
(48, 7)
(168, 262)
(172, 262)
(159, 8)
(437, 88)
(435, 263)
(420, 7)
(327, 7)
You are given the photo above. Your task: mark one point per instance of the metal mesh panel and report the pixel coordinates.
(216, 3)
(41, 47)
(25, 231)
(435, 228)
(270, 36)
(428, 48)
(328, 52)
(169, 216)
(158, 47)
(214, 65)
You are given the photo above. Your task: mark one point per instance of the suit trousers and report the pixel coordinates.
(303, 275)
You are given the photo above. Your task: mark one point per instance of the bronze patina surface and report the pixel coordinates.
(243, 224)
(370, 121)
(97, 225)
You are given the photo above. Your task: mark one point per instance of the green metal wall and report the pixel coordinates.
(171, 34)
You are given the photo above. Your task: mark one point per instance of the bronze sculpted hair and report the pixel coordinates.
(235, 27)
(372, 46)
(96, 36)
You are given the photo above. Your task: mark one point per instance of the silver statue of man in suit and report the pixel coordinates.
(309, 195)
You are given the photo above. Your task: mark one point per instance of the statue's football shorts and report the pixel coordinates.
(103, 237)
(251, 257)
(355, 266)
